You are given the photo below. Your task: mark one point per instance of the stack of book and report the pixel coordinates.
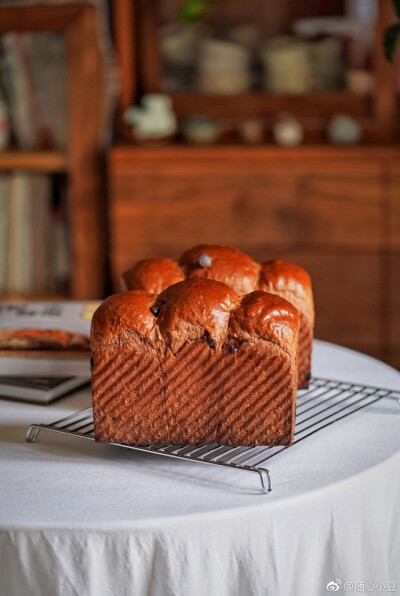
(44, 349)
(33, 83)
(39, 390)
(29, 226)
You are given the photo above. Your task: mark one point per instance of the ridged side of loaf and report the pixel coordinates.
(200, 395)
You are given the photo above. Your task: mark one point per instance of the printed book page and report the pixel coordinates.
(45, 338)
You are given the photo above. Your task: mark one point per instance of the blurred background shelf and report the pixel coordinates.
(31, 298)
(64, 39)
(33, 161)
(127, 151)
(317, 104)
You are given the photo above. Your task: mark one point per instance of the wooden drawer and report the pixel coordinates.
(165, 212)
(393, 214)
(393, 298)
(347, 296)
(392, 357)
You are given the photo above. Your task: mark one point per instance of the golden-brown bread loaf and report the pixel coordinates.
(231, 266)
(42, 339)
(197, 363)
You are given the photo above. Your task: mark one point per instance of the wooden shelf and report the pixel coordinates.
(179, 152)
(38, 298)
(137, 28)
(262, 104)
(34, 161)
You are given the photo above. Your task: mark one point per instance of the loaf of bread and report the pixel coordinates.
(231, 266)
(195, 364)
(42, 339)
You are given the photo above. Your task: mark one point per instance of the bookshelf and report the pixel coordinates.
(81, 161)
(333, 210)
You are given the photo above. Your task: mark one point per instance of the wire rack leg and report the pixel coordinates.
(32, 434)
(265, 478)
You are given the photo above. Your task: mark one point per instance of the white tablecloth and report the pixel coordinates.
(78, 518)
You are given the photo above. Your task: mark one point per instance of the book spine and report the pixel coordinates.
(4, 181)
(19, 92)
(42, 247)
(46, 53)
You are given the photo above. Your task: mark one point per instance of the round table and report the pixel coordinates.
(83, 518)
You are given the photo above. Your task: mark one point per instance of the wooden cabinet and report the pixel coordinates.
(334, 210)
(393, 315)
(347, 296)
(331, 210)
(138, 42)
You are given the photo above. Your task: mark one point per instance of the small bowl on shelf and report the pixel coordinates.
(251, 131)
(201, 130)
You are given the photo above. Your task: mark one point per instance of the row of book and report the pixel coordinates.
(33, 85)
(34, 253)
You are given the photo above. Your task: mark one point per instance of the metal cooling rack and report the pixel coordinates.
(323, 404)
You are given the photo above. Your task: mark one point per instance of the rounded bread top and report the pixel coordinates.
(195, 309)
(226, 264)
(281, 276)
(153, 275)
(122, 314)
(266, 316)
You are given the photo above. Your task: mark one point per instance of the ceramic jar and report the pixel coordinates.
(154, 119)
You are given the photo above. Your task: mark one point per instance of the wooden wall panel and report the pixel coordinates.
(394, 205)
(347, 296)
(341, 205)
(394, 300)
(263, 205)
(189, 208)
(392, 357)
(392, 351)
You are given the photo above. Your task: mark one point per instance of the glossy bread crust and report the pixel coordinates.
(231, 266)
(194, 309)
(123, 314)
(226, 264)
(197, 363)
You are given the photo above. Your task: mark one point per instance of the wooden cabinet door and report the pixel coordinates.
(393, 313)
(347, 296)
(326, 216)
(159, 209)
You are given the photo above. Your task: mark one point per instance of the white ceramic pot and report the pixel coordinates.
(287, 65)
(287, 131)
(223, 67)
